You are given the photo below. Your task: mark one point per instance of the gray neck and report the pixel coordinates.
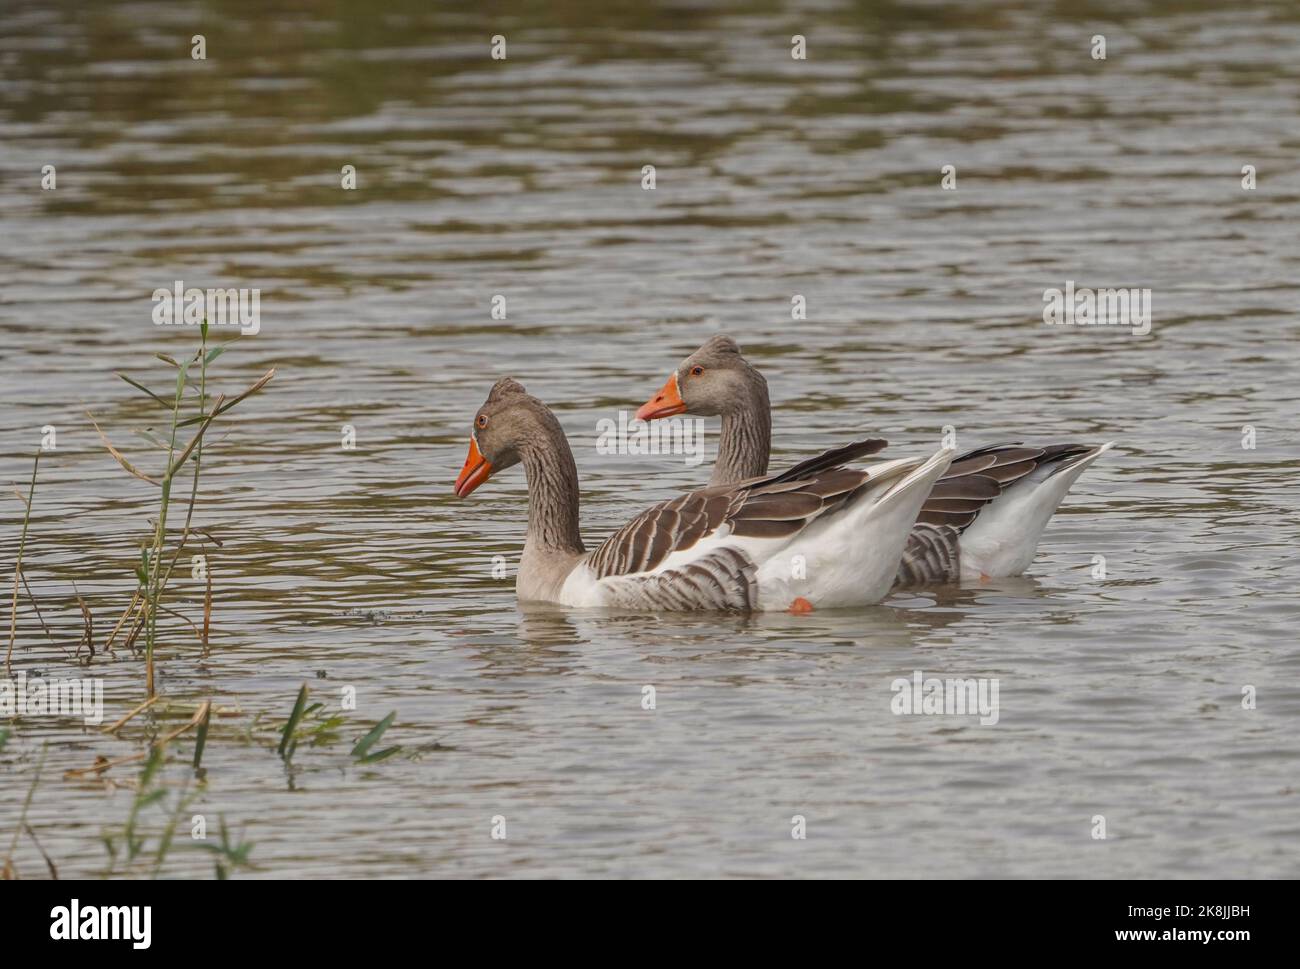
(552, 491)
(746, 442)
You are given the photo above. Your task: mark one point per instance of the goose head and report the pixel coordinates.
(506, 422)
(713, 381)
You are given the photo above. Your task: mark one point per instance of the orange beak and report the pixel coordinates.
(666, 403)
(475, 472)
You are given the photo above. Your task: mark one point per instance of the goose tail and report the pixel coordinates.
(1002, 539)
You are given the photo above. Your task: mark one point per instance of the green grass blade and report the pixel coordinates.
(294, 718)
(154, 439)
(369, 740)
(139, 386)
(202, 739)
(181, 376)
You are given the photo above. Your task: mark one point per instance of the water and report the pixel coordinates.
(1119, 697)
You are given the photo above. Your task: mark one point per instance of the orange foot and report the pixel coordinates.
(985, 577)
(800, 604)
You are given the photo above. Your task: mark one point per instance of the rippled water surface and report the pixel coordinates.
(1119, 697)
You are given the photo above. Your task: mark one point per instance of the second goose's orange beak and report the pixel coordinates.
(476, 470)
(666, 403)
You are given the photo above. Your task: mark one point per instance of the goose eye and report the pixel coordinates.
(482, 420)
(696, 371)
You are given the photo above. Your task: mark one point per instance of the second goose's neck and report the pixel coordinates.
(746, 441)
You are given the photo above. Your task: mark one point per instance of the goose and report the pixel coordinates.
(982, 520)
(819, 535)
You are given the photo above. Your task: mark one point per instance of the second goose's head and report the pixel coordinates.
(713, 381)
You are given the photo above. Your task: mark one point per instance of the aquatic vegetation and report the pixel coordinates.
(18, 566)
(230, 854)
(142, 843)
(7, 870)
(125, 845)
(288, 736)
(310, 723)
(151, 574)
(198, 720)
(135, 849)
(362, 749)
(201, 736)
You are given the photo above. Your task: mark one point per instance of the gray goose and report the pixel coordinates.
(983, 518)
(817, 535)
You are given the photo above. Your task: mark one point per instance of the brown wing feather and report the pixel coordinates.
(967, 486)
(760, 528)
(959, 522)
(772, 507)
(955, 505)
(980, 476)
(783, 506)
(1005, 474)
(827, 460)
(969, 464)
